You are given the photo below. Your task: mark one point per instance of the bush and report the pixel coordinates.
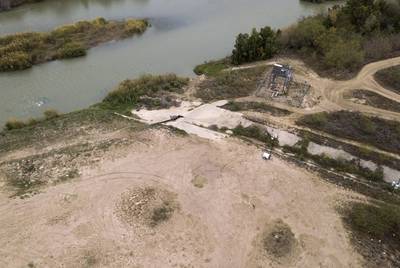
(71, 50)
(135, 27)
(381, 221)
(14, 61)
(344, 54)
(257, 133)
(50, 114)
(389, 78)
(260, 45)
(255, 106)
(14, 124)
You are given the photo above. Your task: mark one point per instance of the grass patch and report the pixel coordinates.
(17, 124)
(375, 100)
(21, 51)
(199, 181)
(230, 84)
(389, 78)
(255, 106)
(375, 232)
(212, 68)
(95, 119)
(256, 133)
(150, 91)
(381, 133)
(380, 221)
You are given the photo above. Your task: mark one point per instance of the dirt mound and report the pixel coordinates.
(146, 206)
(279, 241)
(275, 246)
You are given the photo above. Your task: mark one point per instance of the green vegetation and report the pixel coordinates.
(212, 68)
(336, 43)
(21, 51)
(16, 124)
(257, 133)
(376, 230)
(375, 100)
(389, 78)
(377, 220)
(50, 114)
(71, 50)
(260, 45)
(381, 133)
(348, 36)
(255, 106)
(148, 90)
(230, 84)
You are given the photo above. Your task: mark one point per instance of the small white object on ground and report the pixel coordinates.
(396, 184)
(266, 156)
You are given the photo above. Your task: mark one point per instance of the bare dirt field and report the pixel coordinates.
(166, 200)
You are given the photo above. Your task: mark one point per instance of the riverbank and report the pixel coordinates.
(91, 146)
(22, 51)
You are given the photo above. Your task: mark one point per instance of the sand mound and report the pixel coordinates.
(146, 206)
(279, 240)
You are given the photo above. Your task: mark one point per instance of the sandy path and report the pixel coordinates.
(74, 224)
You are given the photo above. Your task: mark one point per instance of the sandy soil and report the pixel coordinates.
(217, 223)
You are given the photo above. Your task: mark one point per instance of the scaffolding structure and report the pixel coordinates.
(280, 79)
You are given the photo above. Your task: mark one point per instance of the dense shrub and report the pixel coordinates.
(257, 133)
(260, 45)
(15, 61)
(255, 106)
(135, 27)
(50, 114)
(14, 124)
(71, 50)
(389, 78)
(379, 221)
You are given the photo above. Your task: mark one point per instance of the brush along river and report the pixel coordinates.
(183, 33)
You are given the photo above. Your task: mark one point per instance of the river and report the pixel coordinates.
(183, 33)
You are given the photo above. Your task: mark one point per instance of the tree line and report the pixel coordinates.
(344, 38)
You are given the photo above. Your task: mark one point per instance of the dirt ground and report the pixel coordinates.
(222, 200)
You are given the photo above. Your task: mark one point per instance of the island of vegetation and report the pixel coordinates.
(21, 51)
